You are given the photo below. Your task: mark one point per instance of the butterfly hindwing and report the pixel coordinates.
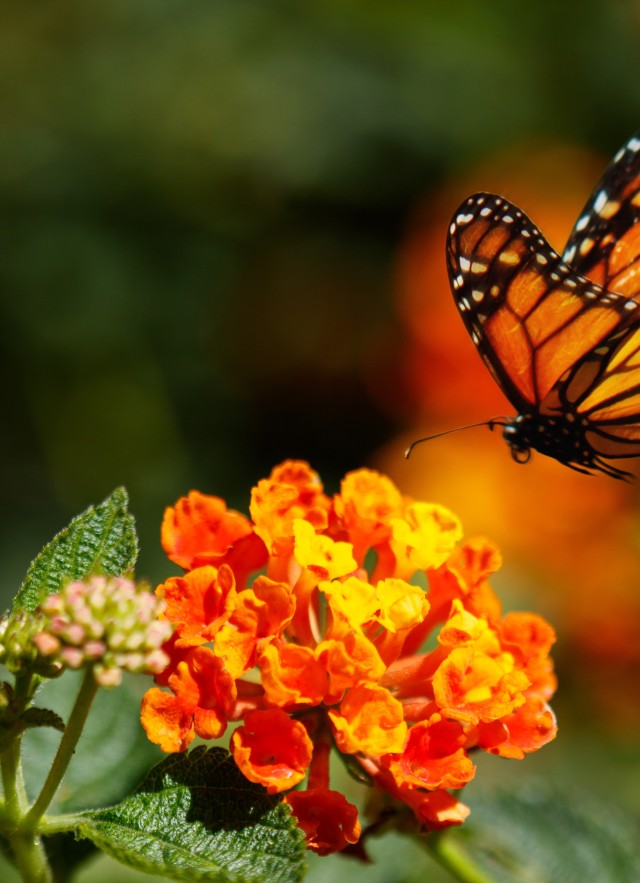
(610, 403)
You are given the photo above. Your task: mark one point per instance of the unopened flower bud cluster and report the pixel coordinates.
(18, 651)
(109, 623)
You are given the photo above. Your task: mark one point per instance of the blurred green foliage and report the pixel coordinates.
(200, 204)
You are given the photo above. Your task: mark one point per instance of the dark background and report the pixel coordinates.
(200, 208)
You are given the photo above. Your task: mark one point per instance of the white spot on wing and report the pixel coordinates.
(582, 222)
(600, 201)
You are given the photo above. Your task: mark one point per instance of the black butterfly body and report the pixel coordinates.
(561, 335)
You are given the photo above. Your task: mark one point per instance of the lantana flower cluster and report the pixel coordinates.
(310, 624)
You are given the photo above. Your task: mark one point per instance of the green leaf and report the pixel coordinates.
(195, 817)
(101, 540)
(112, 755)
(42, 717)
(543, 835)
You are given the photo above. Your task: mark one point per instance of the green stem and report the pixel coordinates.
(449, 856)
(28, 851)
(15, 801)
(69, 822)
(65, 751)
(30, 856)
(12, 778)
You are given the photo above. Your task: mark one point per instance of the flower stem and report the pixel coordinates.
(67, 746)
(15, 800)
(449, 856)
(28, 851)
(30, 857)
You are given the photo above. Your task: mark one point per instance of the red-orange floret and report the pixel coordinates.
(272, 749)
(529, 638)
(261, 614)
(200, 527)
(167, 720)
(198, 603)
(433, 809)
(204, 695)
(434, 756)
(292, 676)
(328, 820)
(529, 728)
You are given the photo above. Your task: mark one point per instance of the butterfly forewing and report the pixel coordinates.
(560, 335)
(531, 317)
(605, 242)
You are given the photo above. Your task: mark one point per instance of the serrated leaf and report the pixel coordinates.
(113, 752)
(542, 835)
(100, 540)
(42, 717)
(195, 817)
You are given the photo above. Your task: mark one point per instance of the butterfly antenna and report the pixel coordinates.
(496, 421)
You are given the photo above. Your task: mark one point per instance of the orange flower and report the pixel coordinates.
(292, 491)
(366, 505)
(529, 728)
(272, 749)
(529, 638)
(167, 720)
(261, 612)
(292, 676)
(200, 530)
(434, 757)
(198, 603)
(433, 809)
(438, 809)
(323, 651)
(472, 686)
(328, 820)
(369, 720)
(349, 662)
(204, 695)
(198, 525)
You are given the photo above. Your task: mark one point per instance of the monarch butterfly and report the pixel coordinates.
(561, 335)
